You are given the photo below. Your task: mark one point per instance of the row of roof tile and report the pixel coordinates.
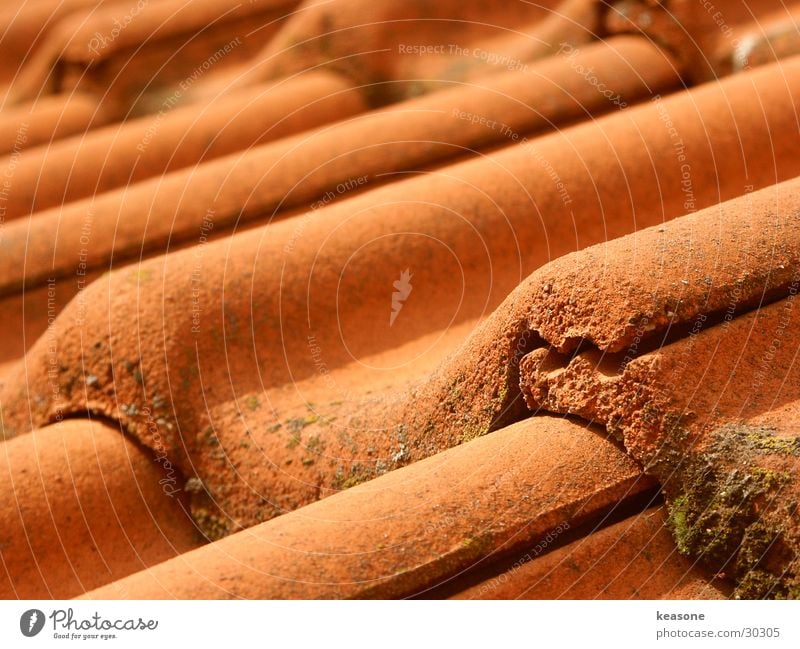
(362, 395)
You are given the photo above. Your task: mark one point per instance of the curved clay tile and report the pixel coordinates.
(774, 36)
(633, 559)
(122, 154)
(712, 416)
(703, 37)
(159, 20)
(353, 401)
(653, 336)
(27, 314)
(413, 528)
(84, 506)
(46, 120)
(363, 39)
(25, 25)
(703, 390)
(574, 22)
(317, 166)
(129, 50)
(225, 321)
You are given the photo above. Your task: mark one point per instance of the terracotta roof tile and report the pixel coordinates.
(120, 155)
(309, 168)
(399, 299)
(49, 118)
(124, 50)
(26, 25)
(704, 38)
(411, 528)
(84, 506)
(367, 40)
(633, 559)
(672, 299)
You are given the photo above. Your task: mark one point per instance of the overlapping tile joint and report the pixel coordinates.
(364, 298)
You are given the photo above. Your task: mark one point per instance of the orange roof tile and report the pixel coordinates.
(84, 506)
(633, 559)
(378, 299)
(411, 528)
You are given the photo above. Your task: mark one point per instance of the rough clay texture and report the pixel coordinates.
(259, 372)
(192, 385)
(438, 517)
(633, 559)
(122, 155)
(695, 372)
(83, 506)
(265, 181)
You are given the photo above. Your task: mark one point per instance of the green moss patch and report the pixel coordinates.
(728, 507)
